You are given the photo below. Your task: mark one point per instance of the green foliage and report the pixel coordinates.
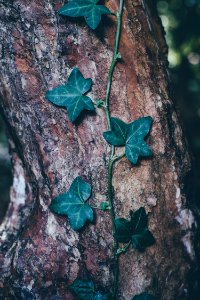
(72, 204)
(72, 95)
(85, 290)
(143, 296)
(181, 19)
(135, 230)
(100, 103)
(104, 206)
(131, 136)
(123, 230)
(142, 240)
(87, 9)
(118, 134)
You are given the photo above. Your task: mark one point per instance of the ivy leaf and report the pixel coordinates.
(72, 95)
(72, 204)
(118, 135)
(131, 136)
(83, 289)
(123, 230)
(135, 145)
(139, 220)
(143, 240)
(136, 230)
(141, 236)
(87, 9)
(143, 296)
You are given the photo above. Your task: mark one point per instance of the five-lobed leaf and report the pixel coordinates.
(72, 95)
(143, 296)
(131, 136)
(135, 230)
(87, 9)
(72, 204)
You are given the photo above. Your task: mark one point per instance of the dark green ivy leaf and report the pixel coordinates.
(131, 136)
(83, 289)
(123, 230)
(143, 296)
(143, 240)
(72, 95)
(139, 220)
(142, 237)
(136, 230)
(118, 135)
(72, 204)
(87, 9)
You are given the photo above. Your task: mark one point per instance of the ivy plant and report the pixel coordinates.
(87, 9)
(72, 204)
(135, 231)
(85, 290)
(72, 95)
(130, 136)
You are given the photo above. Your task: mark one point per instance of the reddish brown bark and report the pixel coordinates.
(40, 254)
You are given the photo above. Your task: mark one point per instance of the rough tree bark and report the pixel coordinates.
(40, 255)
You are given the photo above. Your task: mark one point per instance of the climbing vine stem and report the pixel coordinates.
(112, 214)
(113, 158)
(116, 56)
(133, 232)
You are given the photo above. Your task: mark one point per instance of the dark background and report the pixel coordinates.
(181, 19)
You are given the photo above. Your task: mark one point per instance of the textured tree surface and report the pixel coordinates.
(40, 256)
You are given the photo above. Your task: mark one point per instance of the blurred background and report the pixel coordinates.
(181, 20)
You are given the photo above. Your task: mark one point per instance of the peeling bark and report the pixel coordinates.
(40, 255)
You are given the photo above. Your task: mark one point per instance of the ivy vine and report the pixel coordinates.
(73, 204)
(87, 9)
(72, 95)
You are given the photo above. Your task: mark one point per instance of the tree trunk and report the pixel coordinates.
(40, 254)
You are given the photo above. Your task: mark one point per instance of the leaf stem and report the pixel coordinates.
(113, 158)
(112, 215)
(124, 249)
(115, 55)
(117, 157)
(98, 207)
